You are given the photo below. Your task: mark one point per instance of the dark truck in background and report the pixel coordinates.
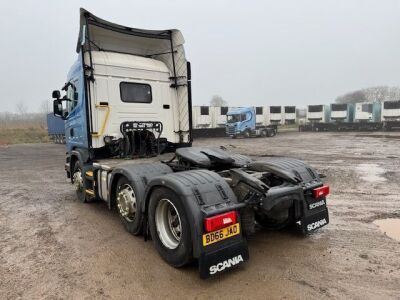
(56, 128)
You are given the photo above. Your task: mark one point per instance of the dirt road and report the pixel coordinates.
(52, 246)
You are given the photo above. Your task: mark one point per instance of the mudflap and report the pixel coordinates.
(223, 258)
(313, 220)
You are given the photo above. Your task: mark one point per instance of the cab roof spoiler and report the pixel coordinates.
(98, 34)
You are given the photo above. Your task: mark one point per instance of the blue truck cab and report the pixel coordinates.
(76, 129)
(242, 122)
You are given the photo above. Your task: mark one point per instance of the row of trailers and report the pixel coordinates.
(359, 116)
(334, 117)
(348, 117)
(208, 117)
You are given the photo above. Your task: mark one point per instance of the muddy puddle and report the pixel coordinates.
(390, 227)
(371, 172)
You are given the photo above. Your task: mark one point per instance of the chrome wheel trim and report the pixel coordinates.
(126, 203)
(78, 180)
(168, 224)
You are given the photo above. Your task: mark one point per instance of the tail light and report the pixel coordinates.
(321, 192)
(220, 221)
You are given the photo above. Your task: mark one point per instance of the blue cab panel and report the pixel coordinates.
(240, 119)
(76, 135)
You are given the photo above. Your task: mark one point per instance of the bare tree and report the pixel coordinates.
(352, 97)
(44, 107)
(382, 93)
(43, 111)
(217, 100)
(376, 93)
(21, 108)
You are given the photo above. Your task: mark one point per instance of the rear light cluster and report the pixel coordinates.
(220, 221)
(321, 192)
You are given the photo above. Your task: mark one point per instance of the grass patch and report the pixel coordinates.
(23, 135)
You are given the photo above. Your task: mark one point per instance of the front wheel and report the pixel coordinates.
(78, 180)
(169, 227)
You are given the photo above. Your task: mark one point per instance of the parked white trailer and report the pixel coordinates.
(275, 115)
(367, 112)
(317, 113)
(261, 115)
(202, 117)
(289, 115)
(391, 114)
(218, 116)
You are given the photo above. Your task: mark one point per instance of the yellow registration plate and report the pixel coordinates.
(221, 234)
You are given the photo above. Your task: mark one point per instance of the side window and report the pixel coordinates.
(133, 92)
(243, 117)
(204, 110)
(72, 94)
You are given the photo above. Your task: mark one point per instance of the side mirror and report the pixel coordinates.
(58, 108)
(56, 94)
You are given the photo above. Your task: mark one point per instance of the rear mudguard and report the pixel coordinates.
(204, 193)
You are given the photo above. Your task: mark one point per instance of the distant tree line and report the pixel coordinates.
(377, 93)
(22, 118)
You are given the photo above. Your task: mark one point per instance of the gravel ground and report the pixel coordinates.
(52, 246)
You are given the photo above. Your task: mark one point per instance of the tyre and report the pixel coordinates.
(170, 228)
(247, 134)
(128, 206)
(264, 132)
(78, 180)
(271, 132)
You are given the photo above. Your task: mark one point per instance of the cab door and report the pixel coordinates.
(75, 112)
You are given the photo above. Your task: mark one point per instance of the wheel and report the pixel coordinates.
(169, 227)
(271, 132)
(280, 221)
(247, 134)
(264, 132)
(128, 206)
(78, 181)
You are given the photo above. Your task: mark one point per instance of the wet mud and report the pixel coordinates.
(54, 247)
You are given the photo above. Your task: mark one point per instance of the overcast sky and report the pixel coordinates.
(248, 52)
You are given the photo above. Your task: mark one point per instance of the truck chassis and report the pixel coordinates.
(202, 203)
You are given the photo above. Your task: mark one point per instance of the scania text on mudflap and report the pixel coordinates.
(127, 111)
